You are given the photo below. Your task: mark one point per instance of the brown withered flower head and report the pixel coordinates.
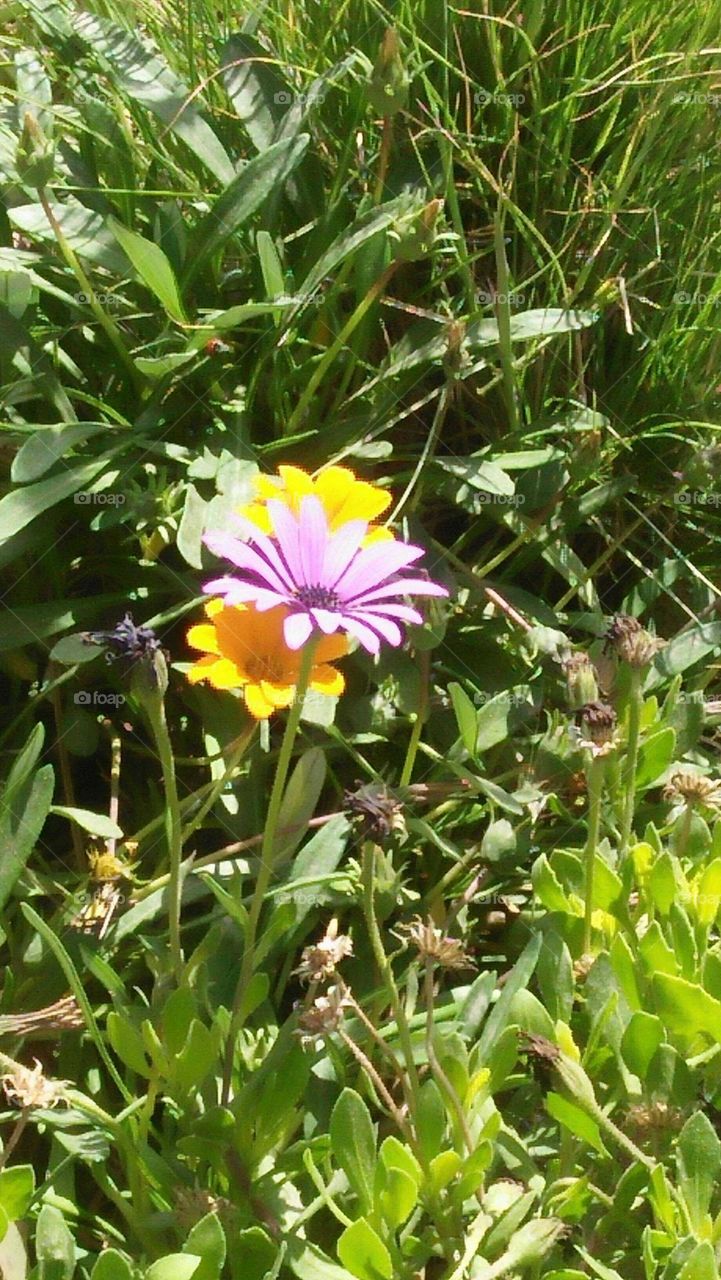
(324, 1016)
(432, 944)
(377, 810)
(629, 639)
(655, 1117)
(691, 788)
(28, 1087)
(319, 962)
(597, 723)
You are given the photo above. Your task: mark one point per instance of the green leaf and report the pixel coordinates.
(398, 1196)
(537, 323)
(16, 1189)
(575, 1120)
(48, 445)
(465, 713)
(394, 1155)
(685, 1008)
(207, 1241)
(84, 229)
(24, 806)
(698, 1160)
(299, 801)
(145, 76)
(190, 530)
(431, 1118)
(245, 194)
(54, 1246)
(197, 1058)
(13, 1258)
(98, 824)
(518, 978)
(443, 1169)
(684, 651)
(363, 1253)
(111, 1265)
(353, 1145)
(153, 268)
(254, 86)
(128, 1043)
(175, 1266)
(21, 506)
(641, 1039)
(700, 1264)
(655, 756)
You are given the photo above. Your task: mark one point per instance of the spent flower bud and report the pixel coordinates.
(35, 155)
(581, 680)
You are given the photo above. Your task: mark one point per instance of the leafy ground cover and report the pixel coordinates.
(346, 957)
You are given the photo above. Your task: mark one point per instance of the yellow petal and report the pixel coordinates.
(203, 636)
(279, 695)
(221, 673)
(257, 705)
(257, 513)
(328, 680)
(364, 502)
(379, 534)
(333, 486)
(214, 606)
(297, 482)
(267, 486)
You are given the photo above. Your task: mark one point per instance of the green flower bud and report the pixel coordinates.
(389, 82)
(414, 234)
(35, 156)
(149, 679)
(581, 682)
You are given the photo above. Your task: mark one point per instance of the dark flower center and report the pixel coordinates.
(317, 597)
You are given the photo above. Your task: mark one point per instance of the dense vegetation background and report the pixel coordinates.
(473, 254)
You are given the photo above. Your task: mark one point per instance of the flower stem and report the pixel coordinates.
(417, 730)
(267, 855)
(594, 780)
(631, 762)
(173, 829)
(386, 972)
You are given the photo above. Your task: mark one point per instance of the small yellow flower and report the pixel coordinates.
(343, 496)
(245, 649)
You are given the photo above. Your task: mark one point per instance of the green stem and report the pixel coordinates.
(174, 832)
(629, 774)
(594, 778)
(107, 325)
(267, 855)
(416, 731)
(386, 972)
(503, 316)
(329, 356)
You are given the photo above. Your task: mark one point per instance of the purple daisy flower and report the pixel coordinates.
(326, 579)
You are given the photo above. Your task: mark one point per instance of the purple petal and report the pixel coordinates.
(402, 611)
(341, 550)
(401, 587)
(312, 539)
(390, 631)
(373, 565)
(286, 531)
(270, 552)
(232, 589)
(327, 621)
(363, 634)
(297, 629)
(246, 557)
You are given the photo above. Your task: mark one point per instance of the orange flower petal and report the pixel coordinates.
(332, 647)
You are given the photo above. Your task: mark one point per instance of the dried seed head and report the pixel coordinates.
(378, 810)
(581, 679)
(318, 963)
(432, 944)
(324, 1016)
(63, 1015)
(28, 1087)
(598, 727)
(690, 787)
(631, 642)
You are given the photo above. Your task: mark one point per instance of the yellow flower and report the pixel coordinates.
(245, 649)
(343, 496)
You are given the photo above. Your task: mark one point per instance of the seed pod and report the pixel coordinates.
(389, 82)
